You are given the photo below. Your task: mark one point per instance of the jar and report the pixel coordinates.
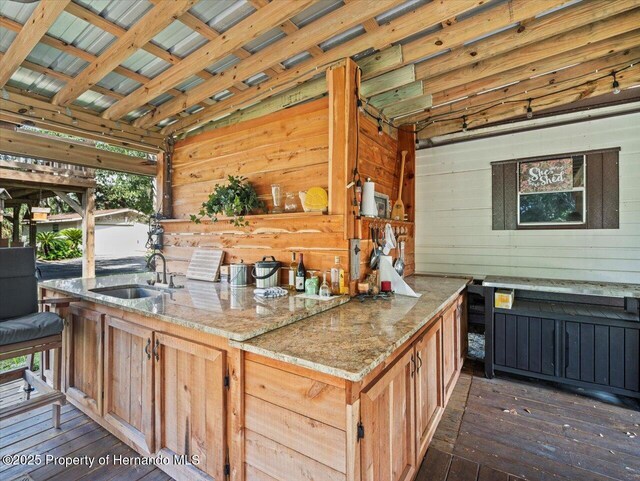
(312, 284)
(290, 202)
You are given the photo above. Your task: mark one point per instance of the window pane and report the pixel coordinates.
(551, 207)
(578, 171)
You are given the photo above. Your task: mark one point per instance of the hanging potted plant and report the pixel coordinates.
(235, 199)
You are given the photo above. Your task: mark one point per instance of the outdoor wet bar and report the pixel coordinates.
(320, 240)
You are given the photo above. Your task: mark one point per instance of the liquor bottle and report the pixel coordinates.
(301, 274)
(292, 272)
(337, 278)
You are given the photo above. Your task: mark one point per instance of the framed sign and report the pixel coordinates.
(546, 176)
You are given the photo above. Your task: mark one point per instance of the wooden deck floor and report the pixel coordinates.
(492, 430)
(506, 429)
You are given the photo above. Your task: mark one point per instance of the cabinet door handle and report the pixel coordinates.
(413, 365)
(419, 361)
(566, 349)
(156, 349)
(146, 348)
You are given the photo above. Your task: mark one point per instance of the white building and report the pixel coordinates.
(119, 232)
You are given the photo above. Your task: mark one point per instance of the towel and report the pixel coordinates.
(271, 292)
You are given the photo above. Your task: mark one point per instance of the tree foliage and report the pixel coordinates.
(116, 190)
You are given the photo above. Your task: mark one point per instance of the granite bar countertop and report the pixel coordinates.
(210, 307)
(562, 286)
(352, 340)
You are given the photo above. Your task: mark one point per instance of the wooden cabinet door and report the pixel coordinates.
(450, 348)
(429, 385)
(463, 330)
(84, 358)
(388, 448)
(190, 406)
(128, 381)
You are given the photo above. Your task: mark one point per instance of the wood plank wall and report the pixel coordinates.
(290, 147)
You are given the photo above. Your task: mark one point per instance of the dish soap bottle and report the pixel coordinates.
(337, 278)
(292, 272)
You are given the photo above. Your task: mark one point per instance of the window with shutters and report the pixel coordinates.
(577, 190)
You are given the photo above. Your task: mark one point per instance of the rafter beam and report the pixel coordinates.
(61, 150)
(524, 56)
(337, 21)
(33, 30)
(153, 22)
(527, 33)
(80, 120)
(552, 99)
(244, 31)
(421, 18)
(528, 87)
(79, 53)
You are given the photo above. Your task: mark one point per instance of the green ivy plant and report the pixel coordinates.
(235, 199)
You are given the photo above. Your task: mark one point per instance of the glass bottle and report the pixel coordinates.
(276, 193)
(337, 278)
(301, 274)
(293, 267)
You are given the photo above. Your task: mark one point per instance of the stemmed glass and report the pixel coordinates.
(324, 288)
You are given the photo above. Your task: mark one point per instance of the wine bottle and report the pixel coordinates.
(292, 272)
(301, 274)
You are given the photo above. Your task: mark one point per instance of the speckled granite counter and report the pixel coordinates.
(214, 308)
(561, 286)
(351, 340)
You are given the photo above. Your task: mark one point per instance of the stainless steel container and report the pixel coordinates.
(267, 272)
(240, 274)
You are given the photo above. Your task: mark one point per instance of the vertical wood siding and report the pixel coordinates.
(454, 216)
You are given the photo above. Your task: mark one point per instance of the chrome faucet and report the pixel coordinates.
(164, 265)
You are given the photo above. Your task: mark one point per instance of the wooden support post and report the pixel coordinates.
(32, 229)
(16, 225)
(341, 83)
(88, 234)
(163, 198)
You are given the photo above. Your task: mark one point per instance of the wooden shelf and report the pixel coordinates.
(250, 217)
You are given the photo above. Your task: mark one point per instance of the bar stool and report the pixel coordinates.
(26, 330)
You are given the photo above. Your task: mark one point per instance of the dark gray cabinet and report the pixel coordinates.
(559, 339)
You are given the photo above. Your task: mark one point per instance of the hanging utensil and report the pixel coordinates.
(374, 259)
(399, 263)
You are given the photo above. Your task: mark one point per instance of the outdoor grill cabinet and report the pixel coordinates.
(581, 340)
(169, 390)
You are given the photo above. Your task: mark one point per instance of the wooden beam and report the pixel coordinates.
(554, 97)
(77, 52)
(249, 28)
(154, 21)
(531, 86)
(341, 83)
(61, 150)
(88, 233)
(33, 30)
(337, 21)
(388, 81)
(586, 53)
(413, 89)
(419, 19)
(302, 93)
(563, 21)
(408, 106)
(80, 120)
(70, 202)
(589, 34)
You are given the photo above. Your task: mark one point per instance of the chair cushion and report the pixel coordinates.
(31, 327)
(18, 283)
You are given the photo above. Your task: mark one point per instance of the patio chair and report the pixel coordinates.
(26, 330)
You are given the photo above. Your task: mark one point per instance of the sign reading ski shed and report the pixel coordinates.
(546, 176)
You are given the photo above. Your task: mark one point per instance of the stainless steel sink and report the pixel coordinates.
(128, 292)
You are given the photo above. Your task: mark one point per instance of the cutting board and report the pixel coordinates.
(205, 265)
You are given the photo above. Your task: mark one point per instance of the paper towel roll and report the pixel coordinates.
(368, 200)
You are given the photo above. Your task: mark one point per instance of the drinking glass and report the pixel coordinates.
(290, 203)
(276, 193)
(324, 288)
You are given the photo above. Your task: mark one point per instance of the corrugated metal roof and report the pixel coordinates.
(122, 13)
(16, 11)
(264, 40)
(316, 11)
(77, 32)
(6, 37)
(221, 15)
(35, 82)
(179, 39)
